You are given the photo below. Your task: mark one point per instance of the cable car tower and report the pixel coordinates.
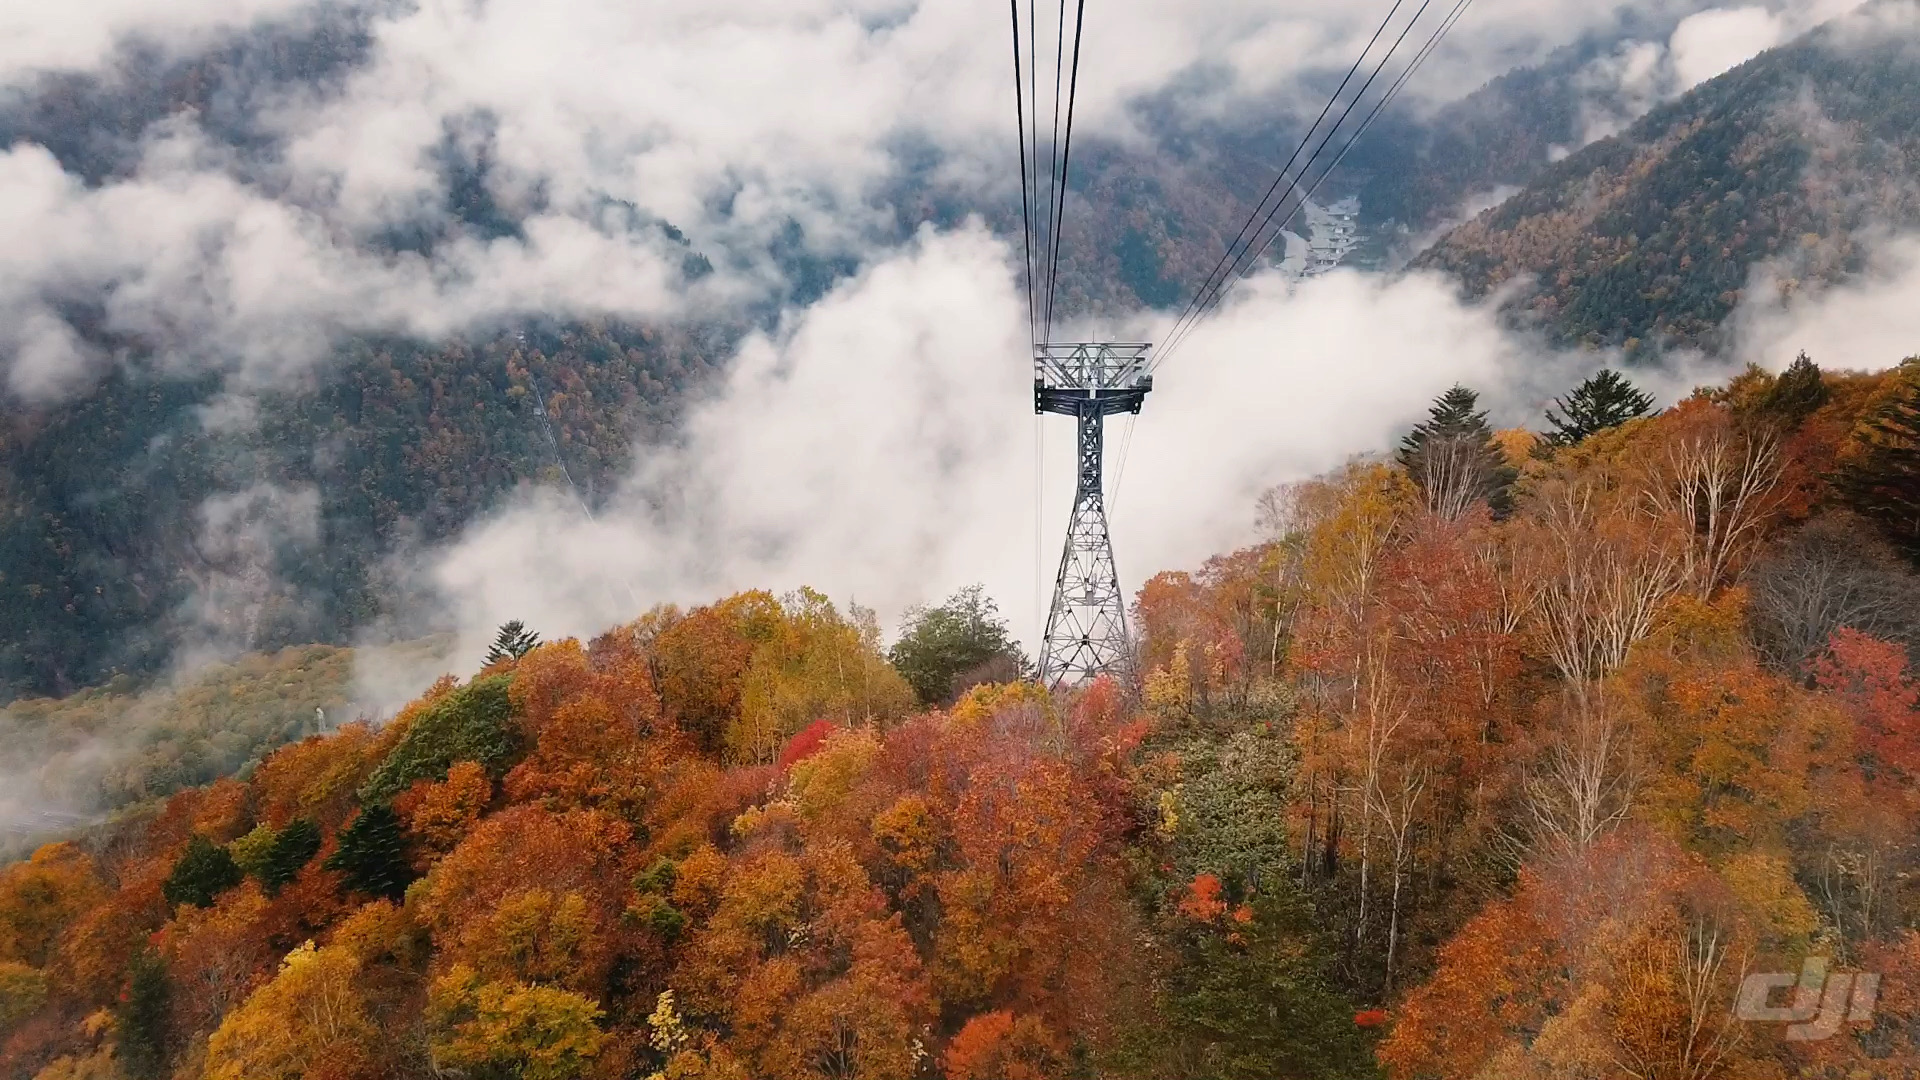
(1087, 624)
(1086, 633)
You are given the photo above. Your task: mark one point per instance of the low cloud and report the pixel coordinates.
(208, 273)
(1622, 85)
(40, 38)
(236, 571)
(1712, 42)
(1868, 323)
(880, 447)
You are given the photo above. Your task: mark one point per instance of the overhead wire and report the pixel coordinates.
(1026, 201)
(553, 442)
(1406, 74)
(1027, 127)
(1242, 236)
(1066, 158)
(1119, 474)
(1453, 16)
(1032, 133)
(1240, 265)
(1053, 159)
(1208, 299)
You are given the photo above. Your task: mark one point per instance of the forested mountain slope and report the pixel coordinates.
(1649, 238)
(1147, 224)
(155, 511)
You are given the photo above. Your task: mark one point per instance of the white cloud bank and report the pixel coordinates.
(81, 35)
(199, 266)
(877, 447)
(1637, 75)
(1869, 323)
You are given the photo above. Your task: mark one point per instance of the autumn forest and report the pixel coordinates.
(1505, 755)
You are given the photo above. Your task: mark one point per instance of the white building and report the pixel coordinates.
(1332, 232)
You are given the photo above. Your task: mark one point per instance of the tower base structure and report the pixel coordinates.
(1086, 633)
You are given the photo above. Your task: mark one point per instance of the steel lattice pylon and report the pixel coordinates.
(1087, 624)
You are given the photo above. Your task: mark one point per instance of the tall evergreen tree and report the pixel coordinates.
(1797, 393)
(203, 871)
(292, 849)
(512, 642)
(1606, 399)
(1454, 460)
(373, 854)
(1882, 479)
(141, 1028)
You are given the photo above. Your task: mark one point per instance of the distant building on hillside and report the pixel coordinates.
(1332, 232)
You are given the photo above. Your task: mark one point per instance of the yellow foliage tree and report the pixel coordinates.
(537, 936)
(22, 991)
(39, 897)
(815, 664)
(820, 783)
(311, 1013)
(532, 1032)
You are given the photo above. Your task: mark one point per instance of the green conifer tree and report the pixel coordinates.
(512, 642)
(292, 849)
(1882, 480)
(1797, 393)
(1606, 399)
(1453, 459)
(141, 1029)
(373, 854)
(202, 872)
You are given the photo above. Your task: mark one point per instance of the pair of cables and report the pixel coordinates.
(1043, 192)
(1292, 188)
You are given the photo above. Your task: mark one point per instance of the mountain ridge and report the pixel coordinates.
(1648, 239)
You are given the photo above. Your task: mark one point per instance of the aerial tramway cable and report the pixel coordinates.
(1242, 237)
(1026, 202)
(1212, 291)
(1238, 264)
(1053, 163)
(1459, 8)
(1066, 155)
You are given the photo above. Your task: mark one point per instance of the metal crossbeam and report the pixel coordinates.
(1086, 632)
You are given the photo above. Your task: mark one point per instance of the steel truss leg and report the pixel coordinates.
(1087, 625)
